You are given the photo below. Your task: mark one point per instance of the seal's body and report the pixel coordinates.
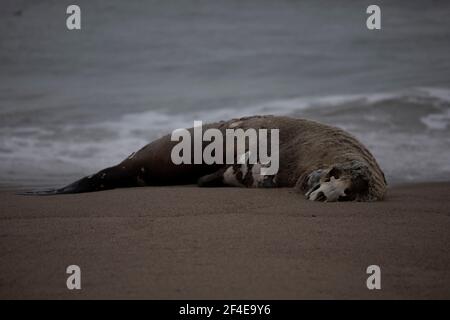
(323, 162)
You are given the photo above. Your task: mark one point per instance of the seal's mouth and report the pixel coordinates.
(341, 182)
(329, 191)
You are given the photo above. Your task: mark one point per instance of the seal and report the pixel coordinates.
(322, 162)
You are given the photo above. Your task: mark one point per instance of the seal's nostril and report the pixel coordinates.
(321, 196)
(310, 191)
(315, 187)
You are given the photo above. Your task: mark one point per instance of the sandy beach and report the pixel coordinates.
(227, 243)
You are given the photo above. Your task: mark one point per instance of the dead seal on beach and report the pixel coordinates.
(320, 161)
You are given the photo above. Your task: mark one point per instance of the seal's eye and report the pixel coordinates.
(347, 191)
(335, 173)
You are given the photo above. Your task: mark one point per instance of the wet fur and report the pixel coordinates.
(309, 152)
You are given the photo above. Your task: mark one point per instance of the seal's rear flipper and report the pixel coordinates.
(76, 187)
(48, 192)
(106, 179)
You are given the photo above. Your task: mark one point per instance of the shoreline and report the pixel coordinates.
(185, 242)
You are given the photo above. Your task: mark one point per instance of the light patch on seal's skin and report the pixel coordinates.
(329, 191)
(248, 175)
(140, 181)
(244, 160)
(244, 170)
(258, 179)
(229, 177)
(235, 124)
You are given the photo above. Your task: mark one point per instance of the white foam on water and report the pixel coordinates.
(287, 106)
(439, 93)
(437, 121)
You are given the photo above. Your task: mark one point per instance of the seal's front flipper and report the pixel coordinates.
(212, 180)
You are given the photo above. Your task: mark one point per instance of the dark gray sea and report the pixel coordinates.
(73, 102)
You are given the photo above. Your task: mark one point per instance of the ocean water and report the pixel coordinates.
(74, 102)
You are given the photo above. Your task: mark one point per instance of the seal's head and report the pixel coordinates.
(347, 181)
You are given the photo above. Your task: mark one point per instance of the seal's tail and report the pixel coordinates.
(106, 179)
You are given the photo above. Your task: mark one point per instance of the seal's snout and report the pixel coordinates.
(341, 182)
(330, 191)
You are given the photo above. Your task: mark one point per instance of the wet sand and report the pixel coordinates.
(225, 243)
